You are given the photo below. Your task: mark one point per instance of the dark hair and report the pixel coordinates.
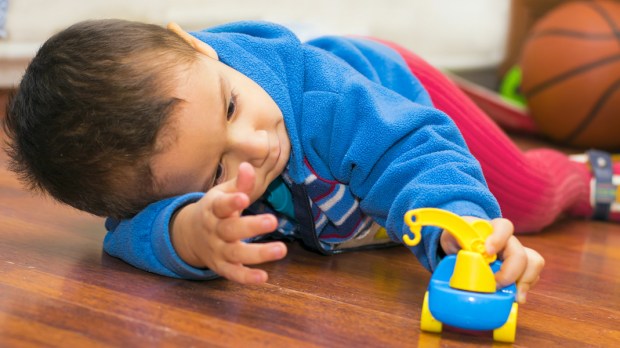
(83, 124)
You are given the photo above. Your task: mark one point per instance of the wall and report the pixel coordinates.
(449, 33)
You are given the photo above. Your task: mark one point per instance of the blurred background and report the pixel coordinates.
(452, 34)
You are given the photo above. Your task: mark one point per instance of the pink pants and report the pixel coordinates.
(533, 188)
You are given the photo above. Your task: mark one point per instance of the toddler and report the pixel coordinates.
(197, 145)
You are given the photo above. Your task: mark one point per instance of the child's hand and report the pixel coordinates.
(520, 264)
(209, 233)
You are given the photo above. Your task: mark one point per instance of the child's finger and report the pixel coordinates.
(514, 263)
(502, 231)
(224, 205)
(246, 177)
(449, 243)
(531, 275)
(242, 274)
(254, 253)
(240, 228)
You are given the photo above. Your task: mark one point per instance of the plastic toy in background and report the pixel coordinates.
(462, 292)
(510, 87)
(508, 115)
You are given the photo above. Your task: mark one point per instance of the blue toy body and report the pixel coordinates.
(467, 309)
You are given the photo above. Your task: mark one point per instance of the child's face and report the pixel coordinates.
(224, 119)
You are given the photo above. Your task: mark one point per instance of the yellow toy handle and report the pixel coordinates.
(469, 235)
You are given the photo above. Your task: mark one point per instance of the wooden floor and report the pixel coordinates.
(57, 288)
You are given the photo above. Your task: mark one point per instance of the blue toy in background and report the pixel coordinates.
(462, 291)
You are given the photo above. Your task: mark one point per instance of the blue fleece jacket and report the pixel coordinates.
(355, 115)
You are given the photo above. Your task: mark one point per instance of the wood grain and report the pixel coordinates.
(57, 288)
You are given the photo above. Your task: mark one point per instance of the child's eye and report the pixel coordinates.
(219, 174)
(232, 106)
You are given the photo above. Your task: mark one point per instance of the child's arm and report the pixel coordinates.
(520, 264)
(144, 240)
(211, 232)
(161, 239)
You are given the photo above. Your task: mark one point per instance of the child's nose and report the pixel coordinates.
(252, 147)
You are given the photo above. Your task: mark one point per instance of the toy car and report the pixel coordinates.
(462, 292)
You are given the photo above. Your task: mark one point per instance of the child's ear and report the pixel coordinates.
(194, 42)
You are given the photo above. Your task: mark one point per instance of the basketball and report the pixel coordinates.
(570, 66)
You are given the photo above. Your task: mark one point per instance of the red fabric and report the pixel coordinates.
(533, 188)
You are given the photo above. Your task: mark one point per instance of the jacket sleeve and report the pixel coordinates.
(144, 240)
(381, 135)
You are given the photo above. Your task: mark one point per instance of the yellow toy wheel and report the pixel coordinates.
(428, 322)
(507, 332)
